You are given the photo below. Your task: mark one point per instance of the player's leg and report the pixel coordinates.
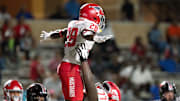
(72, 85)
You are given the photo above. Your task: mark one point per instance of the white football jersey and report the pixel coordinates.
(74, 37)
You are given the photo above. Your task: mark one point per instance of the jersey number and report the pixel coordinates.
(93, 27)
(71, 37)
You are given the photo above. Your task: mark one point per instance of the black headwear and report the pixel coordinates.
(36, 90)
(167, 86)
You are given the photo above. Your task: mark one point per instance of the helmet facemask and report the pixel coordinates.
(112, 93)
(102, 22)
(38, 97)
(106, 87)
(13, 95)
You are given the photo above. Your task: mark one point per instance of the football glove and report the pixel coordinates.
(82, 52)
(101, 39)
(58, 32)
(44, 35)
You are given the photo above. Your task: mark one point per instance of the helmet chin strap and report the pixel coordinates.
(16, 98)
(8, 98)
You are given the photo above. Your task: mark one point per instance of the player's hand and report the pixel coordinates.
(82, 51)
(45, 35)
(101, 39)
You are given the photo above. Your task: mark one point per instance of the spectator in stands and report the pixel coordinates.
(127, 10)
(72, 8)
(53, 84)
(6, 33)
(168, 64)
(138, 48)
(55, 61)
(141, 78)
(154, 35)
(156, 40)
(20, 31)
(37, 72)
(173, 33)
(142, 75)
(12, 48)
(4, 15)
(26, 44)
(154, 89)
(24, 13)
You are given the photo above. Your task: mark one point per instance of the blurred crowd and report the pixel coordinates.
(16, 40)
(19, 46)
(130, 67)
(163, 10)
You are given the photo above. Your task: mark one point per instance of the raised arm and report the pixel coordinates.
(87, 74)
(53, 34)
(89, 82)
(92, 36)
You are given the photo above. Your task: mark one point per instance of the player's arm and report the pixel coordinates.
(53, 34)
(87, 74)
(89, 82)
(92, 36)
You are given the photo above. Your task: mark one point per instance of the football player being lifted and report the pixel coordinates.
(106, 91)
(13, 91)
(85, 30)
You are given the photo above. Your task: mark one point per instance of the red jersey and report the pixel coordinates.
(20, 30)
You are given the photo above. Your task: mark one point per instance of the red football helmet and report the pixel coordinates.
(112, 90)
(102, 93)
(13, 90)
(93, 12)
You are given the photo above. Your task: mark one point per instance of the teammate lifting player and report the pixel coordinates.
(106, 91)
